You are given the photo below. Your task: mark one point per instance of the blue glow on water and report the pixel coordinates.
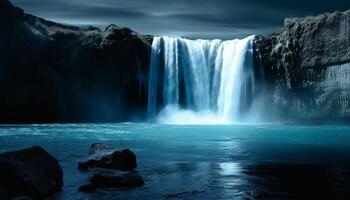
(186, 161)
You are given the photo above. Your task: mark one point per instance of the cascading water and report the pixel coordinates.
(201, 81)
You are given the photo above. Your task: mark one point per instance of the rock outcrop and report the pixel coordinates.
(56, 73)
(30, 172)
(307, 67)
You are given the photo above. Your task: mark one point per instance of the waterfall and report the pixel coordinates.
(201, 80)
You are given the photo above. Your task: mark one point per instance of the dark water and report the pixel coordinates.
(204, 162)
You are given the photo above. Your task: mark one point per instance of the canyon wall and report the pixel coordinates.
(307, 67)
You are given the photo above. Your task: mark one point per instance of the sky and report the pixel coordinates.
(223, 19)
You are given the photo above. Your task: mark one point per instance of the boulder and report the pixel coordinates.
(30, 172)
(102, 156)
(87, 188)
(130, 179)
(126, 180)
(108, 168)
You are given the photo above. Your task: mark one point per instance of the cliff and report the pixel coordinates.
(307, 66)
(56, 73)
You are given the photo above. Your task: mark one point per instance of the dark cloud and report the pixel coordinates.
(190, 18)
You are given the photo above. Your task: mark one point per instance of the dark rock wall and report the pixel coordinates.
(306, 67)
(55, 73)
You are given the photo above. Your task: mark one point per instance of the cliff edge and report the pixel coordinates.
(51, 72)
(307, 66)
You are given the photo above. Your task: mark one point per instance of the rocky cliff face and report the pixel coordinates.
(307, 67)
(56, 73)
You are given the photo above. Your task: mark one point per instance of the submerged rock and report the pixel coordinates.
(30, 172)
(102, 156)
(126, 180)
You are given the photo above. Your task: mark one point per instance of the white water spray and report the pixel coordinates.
(200, 81)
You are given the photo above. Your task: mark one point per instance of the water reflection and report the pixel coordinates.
(299, 181)
(188, 162)
(230, 169)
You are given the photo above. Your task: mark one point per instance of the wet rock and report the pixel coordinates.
(126, 180)
(87, 188)
(130, 179)
(108, 168)
(102, 156)
(30, 172)
(100, 148)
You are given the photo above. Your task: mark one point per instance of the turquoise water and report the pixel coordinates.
(202, 162)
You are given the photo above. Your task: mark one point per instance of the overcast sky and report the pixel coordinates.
(189, 18)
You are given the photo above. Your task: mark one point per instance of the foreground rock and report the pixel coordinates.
(108, 168)
(126, 180)
(30, 172)
(102, 156)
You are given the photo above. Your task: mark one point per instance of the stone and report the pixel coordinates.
(131, 179)
(87, 188)
(126, 180)
(30, 172)
(100, 148)
(102, 156)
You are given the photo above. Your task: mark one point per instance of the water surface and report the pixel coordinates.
(203, 162)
